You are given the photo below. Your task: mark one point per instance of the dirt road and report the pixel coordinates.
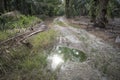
(92, 58)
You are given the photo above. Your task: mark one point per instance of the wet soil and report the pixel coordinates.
(109, 34)
(86, 56)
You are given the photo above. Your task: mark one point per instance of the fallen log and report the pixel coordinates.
(36, 29)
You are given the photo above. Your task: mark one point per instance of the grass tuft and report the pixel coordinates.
(43, 40)
(23, 63)
(10, 26)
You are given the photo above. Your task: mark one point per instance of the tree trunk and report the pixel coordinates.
(1, 6)
(101, 20)
(93, 10)
(67, 8)
(5, 5)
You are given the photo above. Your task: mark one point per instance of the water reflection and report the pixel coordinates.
(63, 54)
(55, 60)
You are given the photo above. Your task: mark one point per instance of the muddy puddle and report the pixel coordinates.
(63, 54)
(72, 54)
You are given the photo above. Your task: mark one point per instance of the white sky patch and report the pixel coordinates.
(55, 60)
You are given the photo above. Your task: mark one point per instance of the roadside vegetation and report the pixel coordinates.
(25, 57)
(13, 22)
(24, 63)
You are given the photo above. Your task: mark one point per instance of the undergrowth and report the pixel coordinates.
(10, 25)
(23, 63)
(43, 40)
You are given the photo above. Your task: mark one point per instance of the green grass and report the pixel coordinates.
(43, 40)
(3, 35)
(23, 63)
(9, 26)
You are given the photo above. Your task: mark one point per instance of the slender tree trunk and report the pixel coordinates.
(5, 5)
(93, 10)
(101, 19)
(2, 6)
(67, 8)
(16, 4)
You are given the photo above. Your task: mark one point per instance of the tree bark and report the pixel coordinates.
(101, 20)
(67, 8)
(93, 10)
(1, 6)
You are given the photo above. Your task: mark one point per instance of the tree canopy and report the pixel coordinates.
(33, 7)
(98, 10)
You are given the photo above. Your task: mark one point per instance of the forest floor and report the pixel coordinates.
(109, 34)
(83, 56)
(67, 50)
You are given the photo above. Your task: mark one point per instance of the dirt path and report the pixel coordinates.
(109, 34)
(102, 61)
(79, 55)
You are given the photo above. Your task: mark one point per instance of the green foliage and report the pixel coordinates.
(21, 21)
(3, 35)
(79, 7)
(114, 8)
(60, 10)
(57, 7)
(91, 8)
(21, 62)
(10, 25)
(34, 7)
(43, 40)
